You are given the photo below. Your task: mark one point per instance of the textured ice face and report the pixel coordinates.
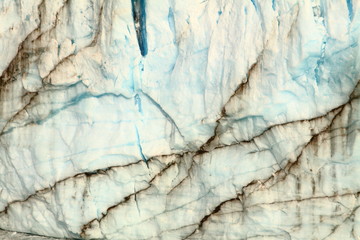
(136, 119)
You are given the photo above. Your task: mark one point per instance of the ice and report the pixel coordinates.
(180, 119)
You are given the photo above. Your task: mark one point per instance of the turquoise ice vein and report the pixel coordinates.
(139, 15)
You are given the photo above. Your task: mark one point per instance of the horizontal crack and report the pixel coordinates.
(239, 198)
(356, 194)
(206, 217)
(9, 72)
(199, 152)
(87, 174)
(287, 168)
(125, 200)
(203, 149)
(284, 171)
(352, 97)
(30, 235)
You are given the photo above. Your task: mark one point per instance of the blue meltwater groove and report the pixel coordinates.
(139, 15)
(350, 9)
(273, 5)
(255, 5)
(139, 145)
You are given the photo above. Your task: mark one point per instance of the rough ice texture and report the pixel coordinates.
(180, 119)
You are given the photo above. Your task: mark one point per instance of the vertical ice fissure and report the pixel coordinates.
(139, 144)
(350, 9)
(139, 15)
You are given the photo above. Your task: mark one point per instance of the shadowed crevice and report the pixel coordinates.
(21, 60)
(139, 15)
(139, 6)
(163, 112)
(103, 171)
(213, 212)
(350, 9)
(217, 209)
(126, 199)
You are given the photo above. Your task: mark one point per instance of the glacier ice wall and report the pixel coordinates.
(191, 119)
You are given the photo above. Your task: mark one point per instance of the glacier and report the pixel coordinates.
(191, 119)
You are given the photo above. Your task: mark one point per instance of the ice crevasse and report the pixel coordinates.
(191, 119)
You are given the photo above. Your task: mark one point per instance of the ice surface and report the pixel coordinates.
(192, 119)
